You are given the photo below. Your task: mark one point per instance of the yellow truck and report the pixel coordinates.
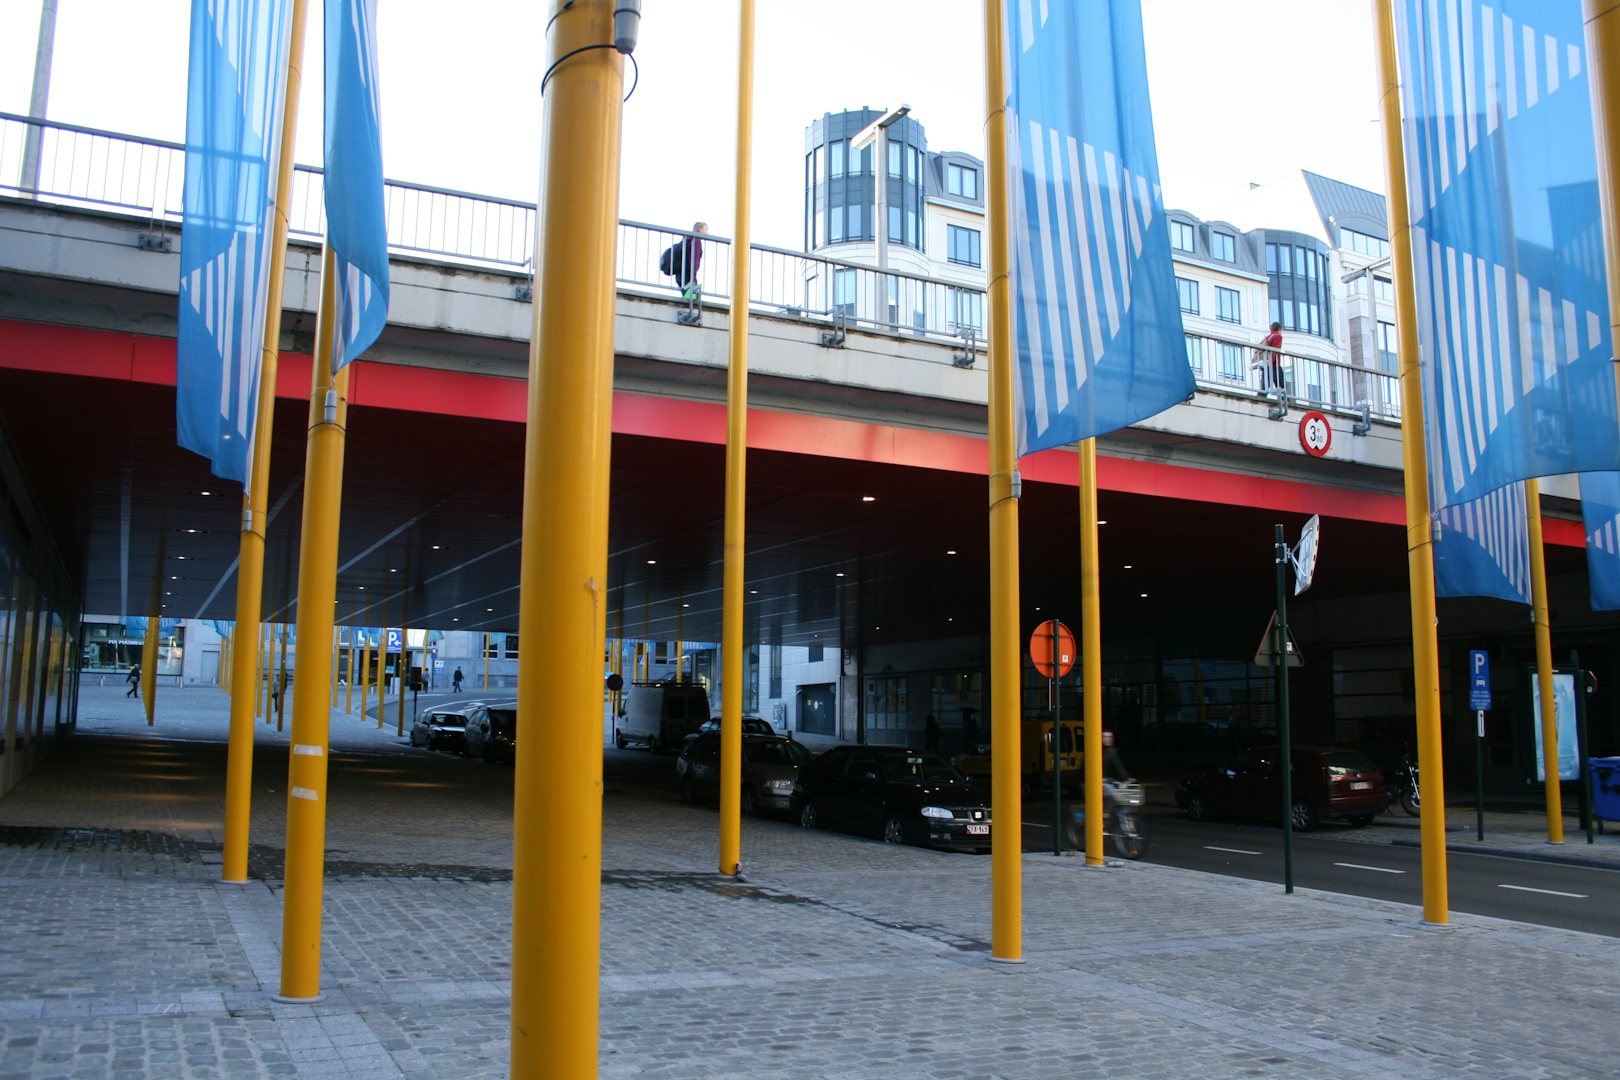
(1035, 756)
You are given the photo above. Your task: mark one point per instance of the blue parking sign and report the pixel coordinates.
(395, 639)
(1479, 679)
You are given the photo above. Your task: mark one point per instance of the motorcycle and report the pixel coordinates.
(1122, 819)
(1402, 784)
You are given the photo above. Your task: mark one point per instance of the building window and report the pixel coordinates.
(967, 310)
(511, 646)
(1228, 306)
(895, 150)
(911, 227)
(1181, 236)
(886, 704)
(1383, 289)
(844, 290)
(962, 245)
(1362, 244)
(1231, 361)
(911, 165)
(1187, 289)
(894, 225)
(962, 180)
(1223, 246)
(838, 158)
(1195, 354)
(776, 671)
(815, 654)
(855, 228)
(1298, 288)
(837, 226)
(1387, 354)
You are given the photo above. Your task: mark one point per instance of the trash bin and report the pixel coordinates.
(1605, 773)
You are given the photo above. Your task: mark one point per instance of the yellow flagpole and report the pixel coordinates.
(1602, 19)
(280, 694)
(348, 689)
(337, 637)
(1419, 532)
(317, 589)
(256, 495)
(267, 642)
(149, 655)
(562, 614)
(1090, 655)
(731, 647)
(403, 670)
(486, 663)
(365, 678)
(1006, 803)
(1551, 787)
(382, 675)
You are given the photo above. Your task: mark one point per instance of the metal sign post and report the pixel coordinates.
(1479, 699)
(1051, 648)
(1283, 656)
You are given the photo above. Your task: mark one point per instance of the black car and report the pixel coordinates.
(493, 735)
(901, 795)
(770, 768)
(751, 725)
(444, 728)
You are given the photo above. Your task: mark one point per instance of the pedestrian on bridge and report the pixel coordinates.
(1268, 361)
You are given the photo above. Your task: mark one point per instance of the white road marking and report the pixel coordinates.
(1544, 892)
(1233, 850)
(1358, 866)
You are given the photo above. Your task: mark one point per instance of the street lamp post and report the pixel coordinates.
(877, 134)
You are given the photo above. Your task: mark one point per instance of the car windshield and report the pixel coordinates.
(775, 752)
(1344, 762)
(923, 767)
(503, 720)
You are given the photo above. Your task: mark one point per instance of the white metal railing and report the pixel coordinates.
(102, 170)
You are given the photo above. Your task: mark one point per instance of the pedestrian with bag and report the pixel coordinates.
(682, 259)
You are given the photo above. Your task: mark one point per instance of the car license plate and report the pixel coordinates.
(1360, 785)
(978, 830)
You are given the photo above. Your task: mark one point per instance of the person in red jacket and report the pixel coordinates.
(1268, 360)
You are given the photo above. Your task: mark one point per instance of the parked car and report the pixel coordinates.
(444, 728)
(1328, 782)
(493, 734)
(751, 725)
(770, 766)
(901, 795)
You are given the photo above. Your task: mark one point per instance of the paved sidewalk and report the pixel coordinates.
(835, 957)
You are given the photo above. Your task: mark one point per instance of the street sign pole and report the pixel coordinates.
(1287, 763)
(1479, 699)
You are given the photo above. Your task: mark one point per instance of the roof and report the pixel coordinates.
(1347, 206)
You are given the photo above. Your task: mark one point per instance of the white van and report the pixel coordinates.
(661, 715)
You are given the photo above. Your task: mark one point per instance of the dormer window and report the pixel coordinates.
(962, 180)
(1181, 236)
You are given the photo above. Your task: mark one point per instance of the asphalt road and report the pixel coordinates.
(1527, 890)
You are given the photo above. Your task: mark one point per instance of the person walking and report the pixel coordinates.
(134, 679)
(688, 257)
(455, 680)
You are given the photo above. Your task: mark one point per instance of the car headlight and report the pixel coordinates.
(779, 785)
(936, 812)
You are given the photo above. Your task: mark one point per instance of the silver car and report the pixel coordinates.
(770, 765)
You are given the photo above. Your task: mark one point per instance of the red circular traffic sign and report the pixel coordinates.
(1315, 433)
(1052, 640)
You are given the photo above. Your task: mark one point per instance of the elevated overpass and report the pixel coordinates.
(866, 518)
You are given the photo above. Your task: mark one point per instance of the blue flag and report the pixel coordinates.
(1097, 323)
(234, 103)
(355, 226)
(1600, 506)
(1482, 548)
(1507, 243)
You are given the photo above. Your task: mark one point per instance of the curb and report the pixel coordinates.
(1519, 853)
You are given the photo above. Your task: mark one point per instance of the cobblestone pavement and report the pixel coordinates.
(833, 957)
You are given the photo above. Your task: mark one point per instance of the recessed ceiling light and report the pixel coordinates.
(1128, 566)
(950, 551)
(1144, 596)
(455, 620)
(174, 577)
(489, 609)
(839, 574)
(1102, 522)
(182, 558)
(753, 592)
(205, 492)
(361, 587)
(686, 605)
(868, 498)
(652, 562)
(393, 570)
(435, 547)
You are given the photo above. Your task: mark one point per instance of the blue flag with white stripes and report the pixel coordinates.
(1600, 507)
(1097, 323)
(1507, 243)
(236, 89)
(355, 226)
(1482, 547)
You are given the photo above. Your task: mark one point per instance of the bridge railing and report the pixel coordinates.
(72, 165)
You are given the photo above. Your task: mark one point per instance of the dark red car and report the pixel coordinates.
(1329, 782)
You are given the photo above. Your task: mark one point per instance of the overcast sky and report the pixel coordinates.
(1243, 90)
